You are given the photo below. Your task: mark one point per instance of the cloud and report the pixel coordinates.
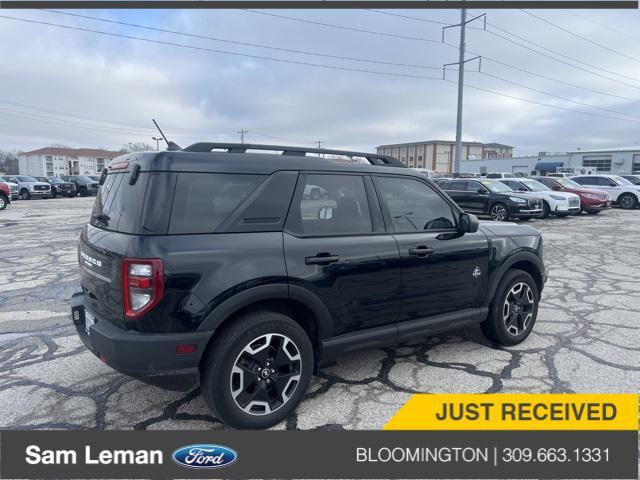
(117, 84)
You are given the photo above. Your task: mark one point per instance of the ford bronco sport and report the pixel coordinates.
(216, 264)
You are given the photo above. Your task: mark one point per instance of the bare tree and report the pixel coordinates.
(137, 147)
(8, 162)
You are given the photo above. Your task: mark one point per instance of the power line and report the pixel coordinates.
(130, 37)
(581, 37)
(245, 44)
(608, 27)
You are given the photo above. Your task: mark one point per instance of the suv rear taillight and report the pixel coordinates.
(142, 285)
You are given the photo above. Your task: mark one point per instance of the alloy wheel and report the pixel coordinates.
(498, 213)
(3, 203)
(265, 374)
(517, 310)
(626, 201)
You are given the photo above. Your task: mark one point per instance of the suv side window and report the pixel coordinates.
(413, 205)
(475, 187)
(328, 204)
(514, 184)
(458, 185)
(586, 180)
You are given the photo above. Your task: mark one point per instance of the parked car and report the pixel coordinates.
(490, 198)
(622, 191)
(84, 185)
(212, 266)
(559, 204)
(29, 187)
(591, 201)
(500, 175)
(425, 171)
(5, 195)
(635, 179)
(13, 188)
(60, 187)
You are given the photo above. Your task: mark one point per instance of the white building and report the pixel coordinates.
(606, 160)
(54, 161)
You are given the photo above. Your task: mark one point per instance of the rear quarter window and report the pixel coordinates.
(202, 201)
(118, 205)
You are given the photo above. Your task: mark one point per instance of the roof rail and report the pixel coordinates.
(373, 158)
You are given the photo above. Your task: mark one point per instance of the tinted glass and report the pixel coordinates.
(493, 175)
(331, 205)
(413, 205)
(565, 182)
(458, 185)
(513, 184)
(633, 179)
(496, 186)
(118, 204)
(202, 201)
(586, 180)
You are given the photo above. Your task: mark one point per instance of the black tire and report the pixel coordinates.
(495, 326)
(628, 201)
(499, 212)
(4, 201)
(593, 212)
(562, 215)
(24, 194)
(546, 210)
(217, 376)
(83, 192)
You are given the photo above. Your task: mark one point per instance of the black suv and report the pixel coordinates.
(84, 185)
(210, 264)
(60, 187)
(491, 198)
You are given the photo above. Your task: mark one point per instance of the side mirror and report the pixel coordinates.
(481, 190)
(325, 213)
(556, 188)
(468, 223)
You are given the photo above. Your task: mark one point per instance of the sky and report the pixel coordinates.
(548, 81)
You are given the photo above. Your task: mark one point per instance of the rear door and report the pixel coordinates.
(336, 248)
(478, 196)
(442, 270)
(457, 190)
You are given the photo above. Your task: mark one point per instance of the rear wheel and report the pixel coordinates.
(499, 212)
(628, 201)
(83, 192)
(513, 310)
(257, 370)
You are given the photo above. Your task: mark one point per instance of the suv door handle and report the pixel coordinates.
(321, 259)
(421, 251)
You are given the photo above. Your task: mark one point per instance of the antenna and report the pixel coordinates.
(171, 146)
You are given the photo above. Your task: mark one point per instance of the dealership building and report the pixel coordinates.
(607, 160)
(54, 161)
(439, 154)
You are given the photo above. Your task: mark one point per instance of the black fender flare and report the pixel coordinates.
(274, 291)
(522, 256)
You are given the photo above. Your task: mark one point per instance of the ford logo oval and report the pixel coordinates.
(204, 456)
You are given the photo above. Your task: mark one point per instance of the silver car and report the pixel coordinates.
(29, 187)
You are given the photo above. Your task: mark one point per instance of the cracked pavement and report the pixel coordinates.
(586, 339)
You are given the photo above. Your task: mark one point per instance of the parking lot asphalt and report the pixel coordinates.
(586, 339)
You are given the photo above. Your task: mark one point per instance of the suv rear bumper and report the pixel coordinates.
(149, 357)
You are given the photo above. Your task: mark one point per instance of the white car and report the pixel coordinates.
(621, 190)
(425, 171)
(560, 204)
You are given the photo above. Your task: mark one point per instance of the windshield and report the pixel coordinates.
(566, 183)
(621, 181)
(55, 180)
(496, 186)
(26, 178)
(535, 186)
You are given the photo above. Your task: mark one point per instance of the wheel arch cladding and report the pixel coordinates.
(525, 261)
(300, 305)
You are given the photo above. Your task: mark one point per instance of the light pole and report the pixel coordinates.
(157, 139)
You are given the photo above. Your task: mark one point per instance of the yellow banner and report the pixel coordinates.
(517, 412)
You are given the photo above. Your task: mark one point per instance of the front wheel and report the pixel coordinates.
(546, 210)
(257, 370)
(24, 194)
(593, 212)
(83, 192)
(3, 202)
(628, 201)
(499, 212)
(513, 310)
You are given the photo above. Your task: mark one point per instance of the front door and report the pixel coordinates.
(443, 270)
(336, 248)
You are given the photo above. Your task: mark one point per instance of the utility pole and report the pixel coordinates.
(461, 63)
(319, 143)
(157, 139)
(242, 133)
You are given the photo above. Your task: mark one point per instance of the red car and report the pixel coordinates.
(591, 201)
(5, 195)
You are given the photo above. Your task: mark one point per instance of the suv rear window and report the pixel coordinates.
(118, 204)
(202, 201)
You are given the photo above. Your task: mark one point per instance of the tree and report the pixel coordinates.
(137, 147)
(59, 145)
(8, 162)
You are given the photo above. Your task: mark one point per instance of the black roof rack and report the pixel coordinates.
(373, 158)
